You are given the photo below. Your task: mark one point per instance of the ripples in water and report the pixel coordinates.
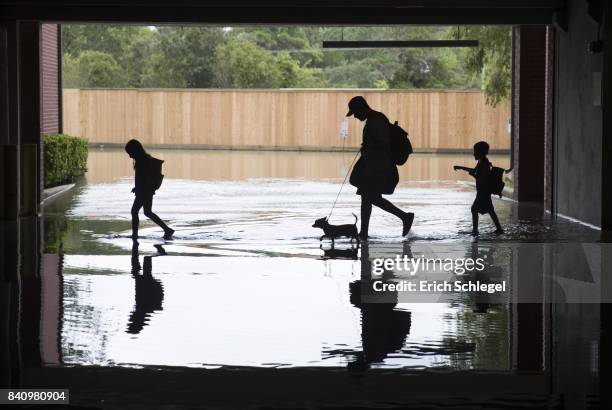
(245, 282)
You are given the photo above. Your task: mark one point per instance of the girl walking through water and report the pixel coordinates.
(147, 180)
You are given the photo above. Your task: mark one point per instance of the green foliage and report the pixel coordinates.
(243, 64)
(56, 227)
(280, 57)
(424, 68)
(100, 68)
(182, 57)
(105, 55)
(492, 59)
(93, 69)
(395, 68)
(71, 77)
(65, 157)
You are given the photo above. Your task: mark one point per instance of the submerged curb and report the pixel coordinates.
(51, 194)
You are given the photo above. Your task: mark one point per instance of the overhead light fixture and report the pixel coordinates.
(399, 43)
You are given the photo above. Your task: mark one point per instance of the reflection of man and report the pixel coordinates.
(383, 328)
(375, 172)
(149, 291)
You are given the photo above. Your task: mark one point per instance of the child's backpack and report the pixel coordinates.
(401, 148)
(155, 173)
(496, 181)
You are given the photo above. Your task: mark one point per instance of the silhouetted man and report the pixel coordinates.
(375, 172)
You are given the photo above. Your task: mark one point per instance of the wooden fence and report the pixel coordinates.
(279, 119)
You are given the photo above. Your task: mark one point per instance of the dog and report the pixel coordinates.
(335, 231)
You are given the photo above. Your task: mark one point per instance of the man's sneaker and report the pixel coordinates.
(408, 223)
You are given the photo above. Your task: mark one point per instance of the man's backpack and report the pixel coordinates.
(496, 181)
(155, 173)
(401, 148)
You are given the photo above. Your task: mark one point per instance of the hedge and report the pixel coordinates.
(65, 158)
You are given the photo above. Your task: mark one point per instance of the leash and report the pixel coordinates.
(343, 182)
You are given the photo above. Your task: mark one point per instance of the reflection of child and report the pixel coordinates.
(483, 203)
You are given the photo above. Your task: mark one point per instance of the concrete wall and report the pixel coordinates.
(578, 118)
(607, 124)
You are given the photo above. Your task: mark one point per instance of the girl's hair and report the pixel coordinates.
(136, 150)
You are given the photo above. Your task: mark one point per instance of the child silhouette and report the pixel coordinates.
(144, 188)
(483, 203)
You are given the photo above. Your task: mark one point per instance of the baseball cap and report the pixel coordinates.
(356, 102)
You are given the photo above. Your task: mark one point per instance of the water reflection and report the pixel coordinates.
(340, 252)
(246, 281)
(264, 312)
(482, 301)
(107, 166)
(383, 328)
(149, 292)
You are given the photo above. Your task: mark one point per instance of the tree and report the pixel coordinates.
(492, 59)
(92, 69)
(128, 46)
(396, 68)
(243, 64)
(427, 69)
(293, 75)
(70, 72)
(183, 57)
(277, 57)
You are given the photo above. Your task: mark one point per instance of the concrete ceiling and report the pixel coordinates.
(357, 12)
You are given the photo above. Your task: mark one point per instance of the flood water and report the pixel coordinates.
(245, 282)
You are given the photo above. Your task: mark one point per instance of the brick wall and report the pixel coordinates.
(529, 111)
(50, 76)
